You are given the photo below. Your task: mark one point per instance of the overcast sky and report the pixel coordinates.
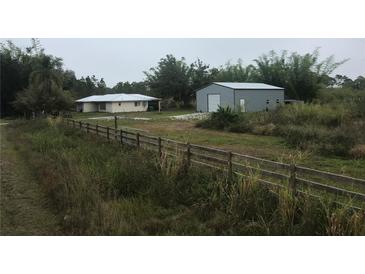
(125, 59)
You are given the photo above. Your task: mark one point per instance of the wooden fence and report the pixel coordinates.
(297, 178)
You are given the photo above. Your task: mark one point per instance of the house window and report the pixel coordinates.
(144, 104)
(137, 104)
(267, 101)
(119, 103)
(102, 106)
(277, 101)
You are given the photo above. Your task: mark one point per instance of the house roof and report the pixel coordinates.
(237, 85)
(118, 97)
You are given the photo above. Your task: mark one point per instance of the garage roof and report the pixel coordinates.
(118, 97)
(237, 85)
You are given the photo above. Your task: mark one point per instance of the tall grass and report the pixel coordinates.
(314, 114)
(334, 124)
(105, 189)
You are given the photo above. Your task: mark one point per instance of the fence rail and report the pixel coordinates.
(295, 177)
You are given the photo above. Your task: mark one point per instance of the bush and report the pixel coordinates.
(314, 114)
(301, 137)
(267, 129)
(338, 142)
(242, 124)
(353, 100)
(358, 152)
(330, 141)
(222, 119)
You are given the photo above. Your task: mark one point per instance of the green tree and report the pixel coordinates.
(358, 83)
(171, 78)
(69, 79)
(234, 73)
(133, 87)
(15, 68)
(302, 76)
(200, 75)
(31, 80)
(342, 81)
(45, 90)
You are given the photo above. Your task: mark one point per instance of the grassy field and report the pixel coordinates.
(100, 188)
(268, 147)
(24, 208)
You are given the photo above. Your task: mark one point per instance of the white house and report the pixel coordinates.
(120, 102)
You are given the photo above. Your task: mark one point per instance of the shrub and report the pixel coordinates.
(353, 100)
(242, 124)
(304, 114)
(336, 141)
(222, 119)
(267, 129)
(360, 107)
(300, 136)
(358, 152)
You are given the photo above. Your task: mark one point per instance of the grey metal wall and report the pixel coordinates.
(255, 100)
(202, 97)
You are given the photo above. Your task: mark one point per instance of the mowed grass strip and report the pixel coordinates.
(25, 209)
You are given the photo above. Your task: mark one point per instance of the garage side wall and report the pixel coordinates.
(226, 97)
(255, 100)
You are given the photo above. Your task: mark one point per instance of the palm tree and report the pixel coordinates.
(46, 74)
(45, 91)
(46, 81)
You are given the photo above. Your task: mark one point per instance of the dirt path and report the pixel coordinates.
(23, 208)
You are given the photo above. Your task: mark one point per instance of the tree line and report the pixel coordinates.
(33, 81)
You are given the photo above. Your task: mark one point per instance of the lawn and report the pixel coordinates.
(268, 147)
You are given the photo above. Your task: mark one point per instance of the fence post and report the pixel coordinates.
(80, 125)
(159, 147)
(107, 133)
(292, 179)
(188, 155)
(97, 129)
(87, 127)
(115, 127)
(121, 136)
(137, 139)
(229, 162)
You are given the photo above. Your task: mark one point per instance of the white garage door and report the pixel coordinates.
(214, 100)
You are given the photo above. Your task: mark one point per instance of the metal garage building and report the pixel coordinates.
(245, 97)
